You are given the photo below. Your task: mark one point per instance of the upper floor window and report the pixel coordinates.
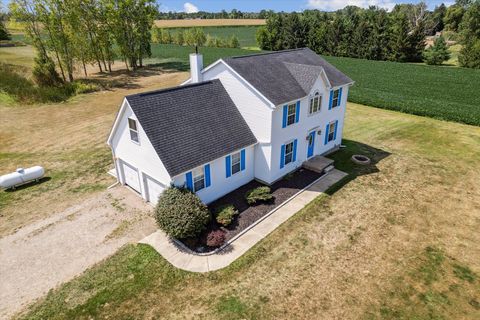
(331, 131)
(315, 103)
(336, 98)
(198, 179)
(291, 114)
(132, 125)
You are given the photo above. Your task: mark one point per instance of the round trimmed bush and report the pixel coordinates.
(181, 213)
(225, 214)
(215, 238)
(258, 194)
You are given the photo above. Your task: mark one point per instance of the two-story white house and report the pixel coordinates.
(250, 117)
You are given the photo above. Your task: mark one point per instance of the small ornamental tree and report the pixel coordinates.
(180, 213)
(438, 53)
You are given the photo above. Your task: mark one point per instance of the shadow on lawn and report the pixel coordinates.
(344, 162)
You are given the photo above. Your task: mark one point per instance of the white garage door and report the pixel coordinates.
(154, 189)
(131, 177)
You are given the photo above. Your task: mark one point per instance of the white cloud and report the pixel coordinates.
(330, 5)
(190, 7)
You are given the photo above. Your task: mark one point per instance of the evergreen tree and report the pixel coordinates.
(438, 53)
(470, 34)
(44, 72)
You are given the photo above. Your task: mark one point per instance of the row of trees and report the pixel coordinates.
(234, 14)
(371, 33)
(376, 34)
(70, 32)
(192, 36)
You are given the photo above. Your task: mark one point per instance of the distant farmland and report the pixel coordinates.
(208, 23)
(245, 34)
(447, 93)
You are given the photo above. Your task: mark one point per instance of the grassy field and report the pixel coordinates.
(396, 240)
(171, 56)
(208, 23)
(439, 92)
(245, 34)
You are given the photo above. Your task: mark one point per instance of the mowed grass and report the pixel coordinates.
(445, 93)
(208, 22)
(245, 34)
(397, 239)
(69, 140)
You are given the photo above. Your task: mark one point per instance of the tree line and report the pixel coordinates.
(70, 32)
(234, 14)
(375, 33)
(192, 36)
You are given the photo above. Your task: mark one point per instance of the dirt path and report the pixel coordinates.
(47, 253)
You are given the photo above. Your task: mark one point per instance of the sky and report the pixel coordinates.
(280, 5)
(276, 5)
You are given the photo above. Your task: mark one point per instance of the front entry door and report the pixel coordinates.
(311, 144)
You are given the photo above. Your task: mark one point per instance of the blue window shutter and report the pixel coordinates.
(335, 132)
(282, 157)
(189, 180)
(207, 176)
(326, 133)
(228, 166)
(242, 159)
(294, 150)
(339, 96)
(331, 100)
(297, 112)
(284, 121)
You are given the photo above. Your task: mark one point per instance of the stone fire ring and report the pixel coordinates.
(361, 159)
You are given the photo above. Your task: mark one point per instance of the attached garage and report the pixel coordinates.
(131, 177)
(153, 189)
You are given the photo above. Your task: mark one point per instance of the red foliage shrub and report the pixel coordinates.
(215, 238)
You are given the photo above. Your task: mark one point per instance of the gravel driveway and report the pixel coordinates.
(45, 254)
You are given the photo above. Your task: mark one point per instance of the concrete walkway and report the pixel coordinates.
(186, 259)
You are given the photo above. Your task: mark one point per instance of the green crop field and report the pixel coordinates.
(447, 93)
(245, 34)
(171, 56)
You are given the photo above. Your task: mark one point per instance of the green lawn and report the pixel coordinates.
(245, 34)
(447, 93)
(396, 240)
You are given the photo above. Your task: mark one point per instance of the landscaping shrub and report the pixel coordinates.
(258, 194)
(225, 214)
(216, 238)
(180, 213)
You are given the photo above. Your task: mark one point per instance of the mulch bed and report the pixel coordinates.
(281, 191)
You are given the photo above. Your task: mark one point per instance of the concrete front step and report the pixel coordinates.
(318, 164)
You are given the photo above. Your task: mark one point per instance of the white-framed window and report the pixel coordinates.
(132, 125)
(291, 113)
(236, 163)
(315, 103)
(288, 153)
(336, 96)
(331, 131)
(198, 179)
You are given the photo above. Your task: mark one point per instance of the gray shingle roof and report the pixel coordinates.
(191, 125)
(274, 75)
